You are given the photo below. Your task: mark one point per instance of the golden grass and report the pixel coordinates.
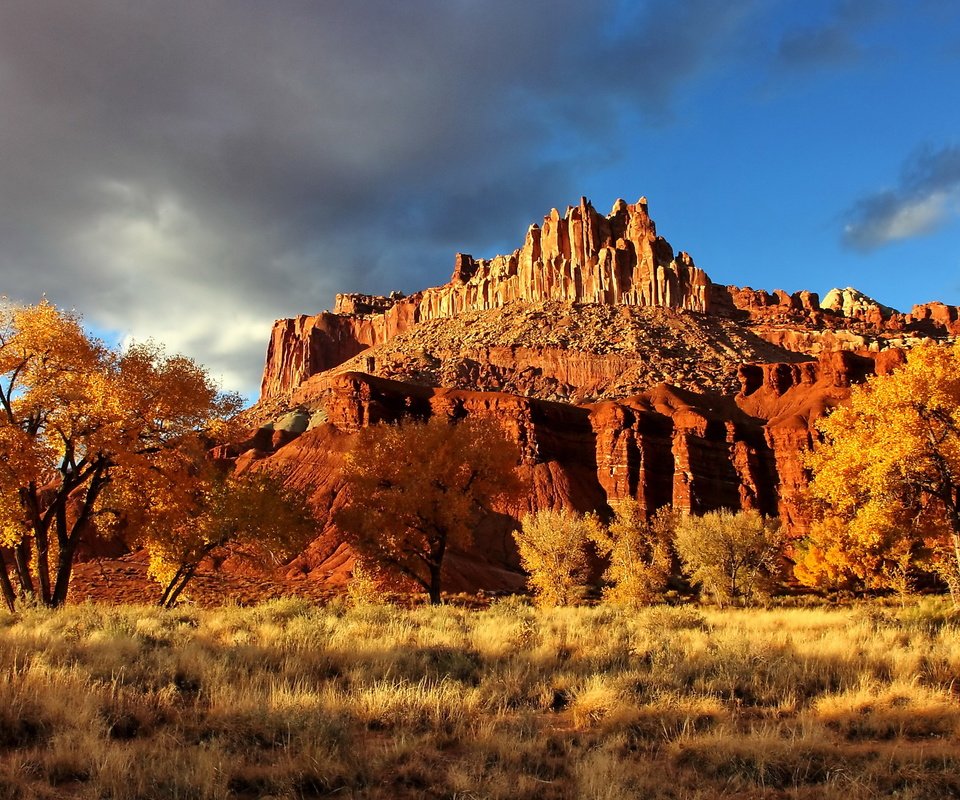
(290, 700)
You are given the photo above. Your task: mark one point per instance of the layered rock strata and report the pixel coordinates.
(693, 451)
(553, 351)
(673, 390)
(580, 257)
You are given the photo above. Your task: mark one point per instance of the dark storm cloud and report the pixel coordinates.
(192, 170)
(832, 42)
(927, 197)
(819, 46)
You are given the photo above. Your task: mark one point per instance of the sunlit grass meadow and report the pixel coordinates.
(293, 700)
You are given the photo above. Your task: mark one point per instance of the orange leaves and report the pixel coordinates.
(414, 488)
(209, 512)
(77, 417)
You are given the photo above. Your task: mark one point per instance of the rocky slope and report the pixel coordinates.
(664, 446)
(584, 261)
(581, 257)
(554, 351)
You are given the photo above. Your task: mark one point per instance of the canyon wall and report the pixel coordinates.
(694, 451)
(585, 257)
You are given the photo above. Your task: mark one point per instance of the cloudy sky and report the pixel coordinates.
(192, 170)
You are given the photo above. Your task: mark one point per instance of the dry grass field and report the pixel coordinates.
(292, 700)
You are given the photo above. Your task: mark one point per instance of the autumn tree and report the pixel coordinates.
(415, 489)
(734, 556)
(639, 551)
(75, 418)
(553, 552)
(254, 515)
(887, 475)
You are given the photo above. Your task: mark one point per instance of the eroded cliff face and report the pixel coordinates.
(556, 351)
(615, 364)
(580, 257)
(665, 447)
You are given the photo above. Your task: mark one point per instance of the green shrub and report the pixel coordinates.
(735, 557)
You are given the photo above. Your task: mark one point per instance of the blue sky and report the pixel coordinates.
(192, 171)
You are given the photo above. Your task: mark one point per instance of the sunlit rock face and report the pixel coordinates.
(664, 447)
(579, 257)
(583, 258)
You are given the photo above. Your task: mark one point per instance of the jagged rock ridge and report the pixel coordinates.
(581, 257)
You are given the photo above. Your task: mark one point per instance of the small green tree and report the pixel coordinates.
(734, 556)
(552, 547)
(639, 553)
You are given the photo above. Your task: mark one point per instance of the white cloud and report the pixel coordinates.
(918, 217)
(927, 198)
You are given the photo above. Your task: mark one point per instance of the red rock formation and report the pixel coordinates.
(304, 346)
(667, 446)
(934, 318)
(759, 304)
(584, 257)
(581, 257)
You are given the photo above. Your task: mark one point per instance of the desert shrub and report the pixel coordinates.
(639, 552)
(552, 546)
(366, 584)
(735, 557)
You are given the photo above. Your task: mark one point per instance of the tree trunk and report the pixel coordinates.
(43, 564)
(179, 582)
(21, 558)
(171, 585)
(436, 565)
(64, 568)
(434, 590)
(9, 596)
(68, 537)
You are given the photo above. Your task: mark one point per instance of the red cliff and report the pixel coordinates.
(693, 451)
(615, 363)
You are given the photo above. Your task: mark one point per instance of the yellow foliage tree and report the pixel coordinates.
(75, 418)
(639, 552)
(253, 515)
(552, 547)
(417, 488)
(888, 474)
